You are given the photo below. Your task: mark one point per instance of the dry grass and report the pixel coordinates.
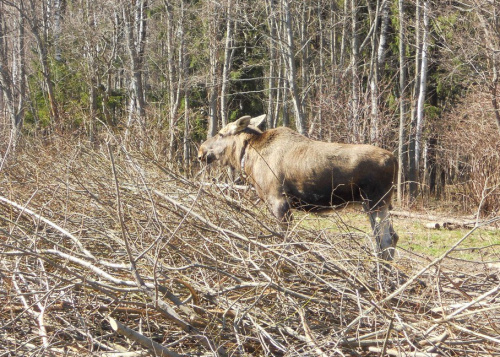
(93, 236)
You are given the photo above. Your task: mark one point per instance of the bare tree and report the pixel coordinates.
(402, 101)
(59, 6)
(289, 53)
(273, 67)
(355, 85)
(412, 165)
(135, 23)
(422, 87)
(37, 17)
(12, 77)
(489, 17)
(213, 17)
(379, 44)
(228, 58)
(175, 52)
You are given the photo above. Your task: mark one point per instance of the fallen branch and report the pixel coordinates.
(154, 347)
(75, 240)
(311, 341)
(394, 352)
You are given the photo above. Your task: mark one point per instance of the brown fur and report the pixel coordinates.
(289, 170)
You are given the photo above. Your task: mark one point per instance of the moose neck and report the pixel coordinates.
(243, 156)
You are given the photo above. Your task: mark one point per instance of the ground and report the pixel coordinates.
(90, 236)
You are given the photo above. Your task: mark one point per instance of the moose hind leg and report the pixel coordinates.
(386, 237)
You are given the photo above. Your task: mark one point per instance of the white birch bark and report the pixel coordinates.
(423, 87)
(354, 124)
(377, 65)
(412, 165)
(402, 101)
(57, 29)
(228, 57)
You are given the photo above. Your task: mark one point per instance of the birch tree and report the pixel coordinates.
(291, 71)
(412, 165)
(423, 86)
(379, 44)
(402, 101)
(354, 124)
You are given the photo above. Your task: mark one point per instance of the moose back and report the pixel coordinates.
(289, 170)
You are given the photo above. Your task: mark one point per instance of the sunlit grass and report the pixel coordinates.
(414, 236)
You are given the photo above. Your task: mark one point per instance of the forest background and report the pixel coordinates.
(418, 77)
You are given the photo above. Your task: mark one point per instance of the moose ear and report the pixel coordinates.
(236, 126)
(259, 122)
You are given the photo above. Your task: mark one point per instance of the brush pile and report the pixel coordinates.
(110, 251)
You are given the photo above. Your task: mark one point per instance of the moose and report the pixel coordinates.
(289, 170)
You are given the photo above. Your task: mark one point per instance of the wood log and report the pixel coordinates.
(433, 225)
(437, 222)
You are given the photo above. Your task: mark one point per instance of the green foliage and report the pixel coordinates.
(432, 112)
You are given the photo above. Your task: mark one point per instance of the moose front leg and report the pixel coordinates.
(280, 207)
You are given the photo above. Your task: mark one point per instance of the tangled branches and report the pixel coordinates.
(110, 251)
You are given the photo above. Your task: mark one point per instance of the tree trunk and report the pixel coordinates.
(173, 89)
(344, 37)
(305, 19)
(174, 37)
(272, 91)
(135, 34)
(378, 61)
(492, 37)
(289, 53)
(187, 132)
(423, 87)
(402, 102)
(183, 73)
(354, 125)
(58, 8)
(373, 78)
(412, 169)
(431, 164)
(494, 94)
(214, 63)
(286, 117)
(20, 78)
(320, 74)
(228, 58)
(39, 31)
(13, 83)
(280, 93)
